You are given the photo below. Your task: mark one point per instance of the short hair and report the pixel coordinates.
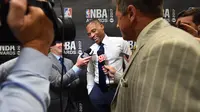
(154, 7)
(93, 21)
(195, 12)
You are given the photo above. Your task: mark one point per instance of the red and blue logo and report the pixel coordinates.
(88, 13)
(68, 12)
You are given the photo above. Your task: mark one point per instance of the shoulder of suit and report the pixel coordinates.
(67, 60)
(174, 33)
(50, 55)
(171, 35)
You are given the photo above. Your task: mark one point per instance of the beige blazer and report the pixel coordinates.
(163, 74)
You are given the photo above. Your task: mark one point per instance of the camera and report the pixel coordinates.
(62, 26)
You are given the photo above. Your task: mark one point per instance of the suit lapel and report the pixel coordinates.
(56, 63)
(143, 38)
(125, 72)
(67, 64)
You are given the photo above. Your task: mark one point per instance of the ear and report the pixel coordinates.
(131, 11)
(198, 29)
(102, 26)
(117, 25)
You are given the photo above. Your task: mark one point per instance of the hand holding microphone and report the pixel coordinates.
(84, 59)
(109, 70)
(87, 53)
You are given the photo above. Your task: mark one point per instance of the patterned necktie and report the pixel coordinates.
(63, 65)
(101, 63)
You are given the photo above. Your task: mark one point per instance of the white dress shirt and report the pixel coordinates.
(114, 50)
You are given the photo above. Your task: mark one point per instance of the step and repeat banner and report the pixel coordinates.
(81, 11)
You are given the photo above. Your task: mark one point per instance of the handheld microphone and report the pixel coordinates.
(101, 57)
(87, 53)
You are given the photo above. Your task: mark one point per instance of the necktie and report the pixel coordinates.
(64, 67)
(101, 63)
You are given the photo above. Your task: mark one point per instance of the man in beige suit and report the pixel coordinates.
(163, 73)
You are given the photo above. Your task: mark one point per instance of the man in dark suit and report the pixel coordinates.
(70, 77)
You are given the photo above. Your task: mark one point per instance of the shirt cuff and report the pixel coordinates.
(76, 69)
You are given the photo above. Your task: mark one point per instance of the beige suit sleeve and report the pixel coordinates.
(170, 78)
(127, 51)
(118, 76)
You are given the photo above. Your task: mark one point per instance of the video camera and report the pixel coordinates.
(47, 6)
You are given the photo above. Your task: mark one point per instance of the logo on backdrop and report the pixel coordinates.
(103, 15)
(132, 45)
(9, 50)
(68, 12)
(73, 47)
(169, 15)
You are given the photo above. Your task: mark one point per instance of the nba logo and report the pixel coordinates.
(88, 13)
(68, 12)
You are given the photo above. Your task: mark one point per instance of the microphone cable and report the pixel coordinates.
(62, 61)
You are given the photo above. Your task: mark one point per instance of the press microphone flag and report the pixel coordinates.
(87, 53)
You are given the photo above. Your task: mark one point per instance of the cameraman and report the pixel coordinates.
(27, 87)
(189, 21)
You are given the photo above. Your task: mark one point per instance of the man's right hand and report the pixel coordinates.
(109, 70)
(33, 30)
(82, 61)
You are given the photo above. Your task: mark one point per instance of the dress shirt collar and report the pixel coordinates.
(57, 57)
(105, 40)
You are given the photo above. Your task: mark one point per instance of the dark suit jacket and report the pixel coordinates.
(69, 80)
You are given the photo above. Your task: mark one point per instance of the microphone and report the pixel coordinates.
(101, 57)
(87, 53)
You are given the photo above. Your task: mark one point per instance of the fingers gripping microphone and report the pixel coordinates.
(87, 53)
(101, 57)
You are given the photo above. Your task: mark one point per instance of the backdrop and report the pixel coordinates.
(81, 11)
